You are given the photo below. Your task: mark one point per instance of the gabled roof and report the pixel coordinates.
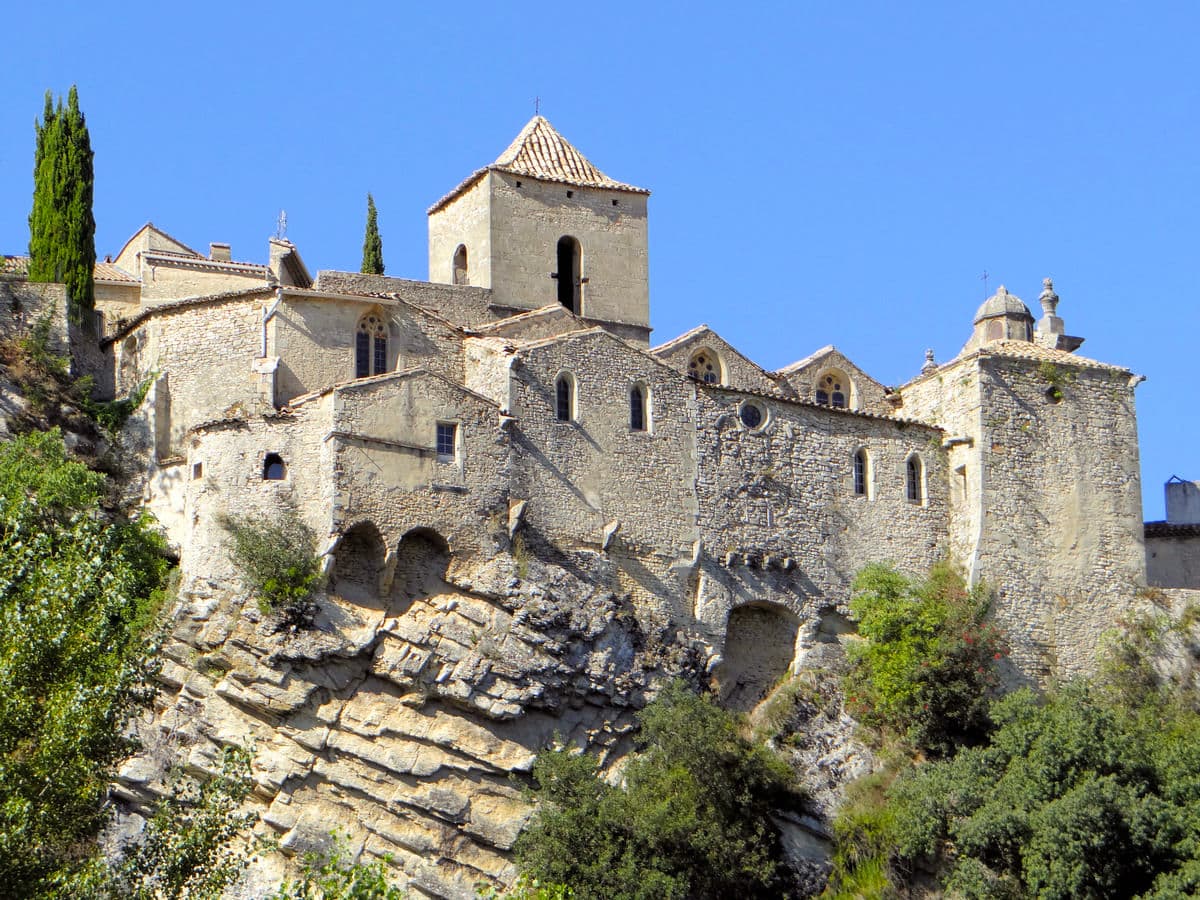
(540, 152)
(184, 248)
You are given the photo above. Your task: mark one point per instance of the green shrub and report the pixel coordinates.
(693, 819)
(278, 562)
(927, 666)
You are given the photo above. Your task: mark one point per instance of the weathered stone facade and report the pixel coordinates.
(529, 518)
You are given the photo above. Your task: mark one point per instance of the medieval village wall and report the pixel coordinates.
(24, 304)
(779, 518)
(579, 476)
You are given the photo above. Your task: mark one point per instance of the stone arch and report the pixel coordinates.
(357, 562)
(760, 649)
(422, 558)
(914, 479)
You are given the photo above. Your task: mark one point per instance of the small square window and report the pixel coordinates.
(197, 470)
(570, 194)
(447, 441)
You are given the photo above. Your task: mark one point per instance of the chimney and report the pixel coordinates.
(219, 252)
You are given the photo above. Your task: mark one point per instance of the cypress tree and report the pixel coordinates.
(62, 228)
(372, 261)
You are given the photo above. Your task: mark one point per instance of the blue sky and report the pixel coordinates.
(822, 172)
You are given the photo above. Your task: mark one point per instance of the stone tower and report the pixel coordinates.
(542, 225)
(1045, 493)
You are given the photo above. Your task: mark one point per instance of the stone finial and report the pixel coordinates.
(1048, 298)
(929, 365)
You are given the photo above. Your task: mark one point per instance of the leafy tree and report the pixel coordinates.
(62, 228)
(693, 819)
(193, 847)
(78, 596)
(927, 667)
(372, 260)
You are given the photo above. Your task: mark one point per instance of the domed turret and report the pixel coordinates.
(1002, 317)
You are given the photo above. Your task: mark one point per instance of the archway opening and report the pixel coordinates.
(421, 562)
(760, 647)
(357, 562)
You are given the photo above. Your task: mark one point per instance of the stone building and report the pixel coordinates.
(444, 437)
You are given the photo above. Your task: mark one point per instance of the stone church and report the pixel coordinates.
(509, 429)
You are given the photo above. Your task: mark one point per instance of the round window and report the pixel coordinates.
(751, 415)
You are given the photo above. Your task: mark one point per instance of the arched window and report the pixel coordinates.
(564, 398)
(915, 480)
(460, 265)
(860, 473)
(570, 271)
(273, 467)
(637, 408)
(833, 389)
(370, 347)
(705, 366)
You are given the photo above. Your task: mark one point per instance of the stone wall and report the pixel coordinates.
(581, 475)
(1046, 495)
(24, 304)
(206, 351)
(177, 280)
(465, 220)
(1172, 555)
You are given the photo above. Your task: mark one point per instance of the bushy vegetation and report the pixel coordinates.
(278, 562)
(78, 596)
(193, 847)
(927, 668)
(692, 818)
(332, 876)
(1089, 790)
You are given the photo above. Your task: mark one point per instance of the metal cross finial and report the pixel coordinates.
(281, 225)
(537, 106)
(984, 279)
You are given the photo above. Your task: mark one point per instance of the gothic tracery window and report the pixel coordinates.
(370, 346)
(704, 366)
(832, 389)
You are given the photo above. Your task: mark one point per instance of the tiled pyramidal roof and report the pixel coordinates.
(540, 152)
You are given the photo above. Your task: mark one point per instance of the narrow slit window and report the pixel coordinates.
(447, 442)
(637, 408)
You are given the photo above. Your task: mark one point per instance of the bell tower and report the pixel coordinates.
(542, 225)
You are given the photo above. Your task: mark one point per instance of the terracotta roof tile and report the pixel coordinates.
(540, 152)
(18, 267)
